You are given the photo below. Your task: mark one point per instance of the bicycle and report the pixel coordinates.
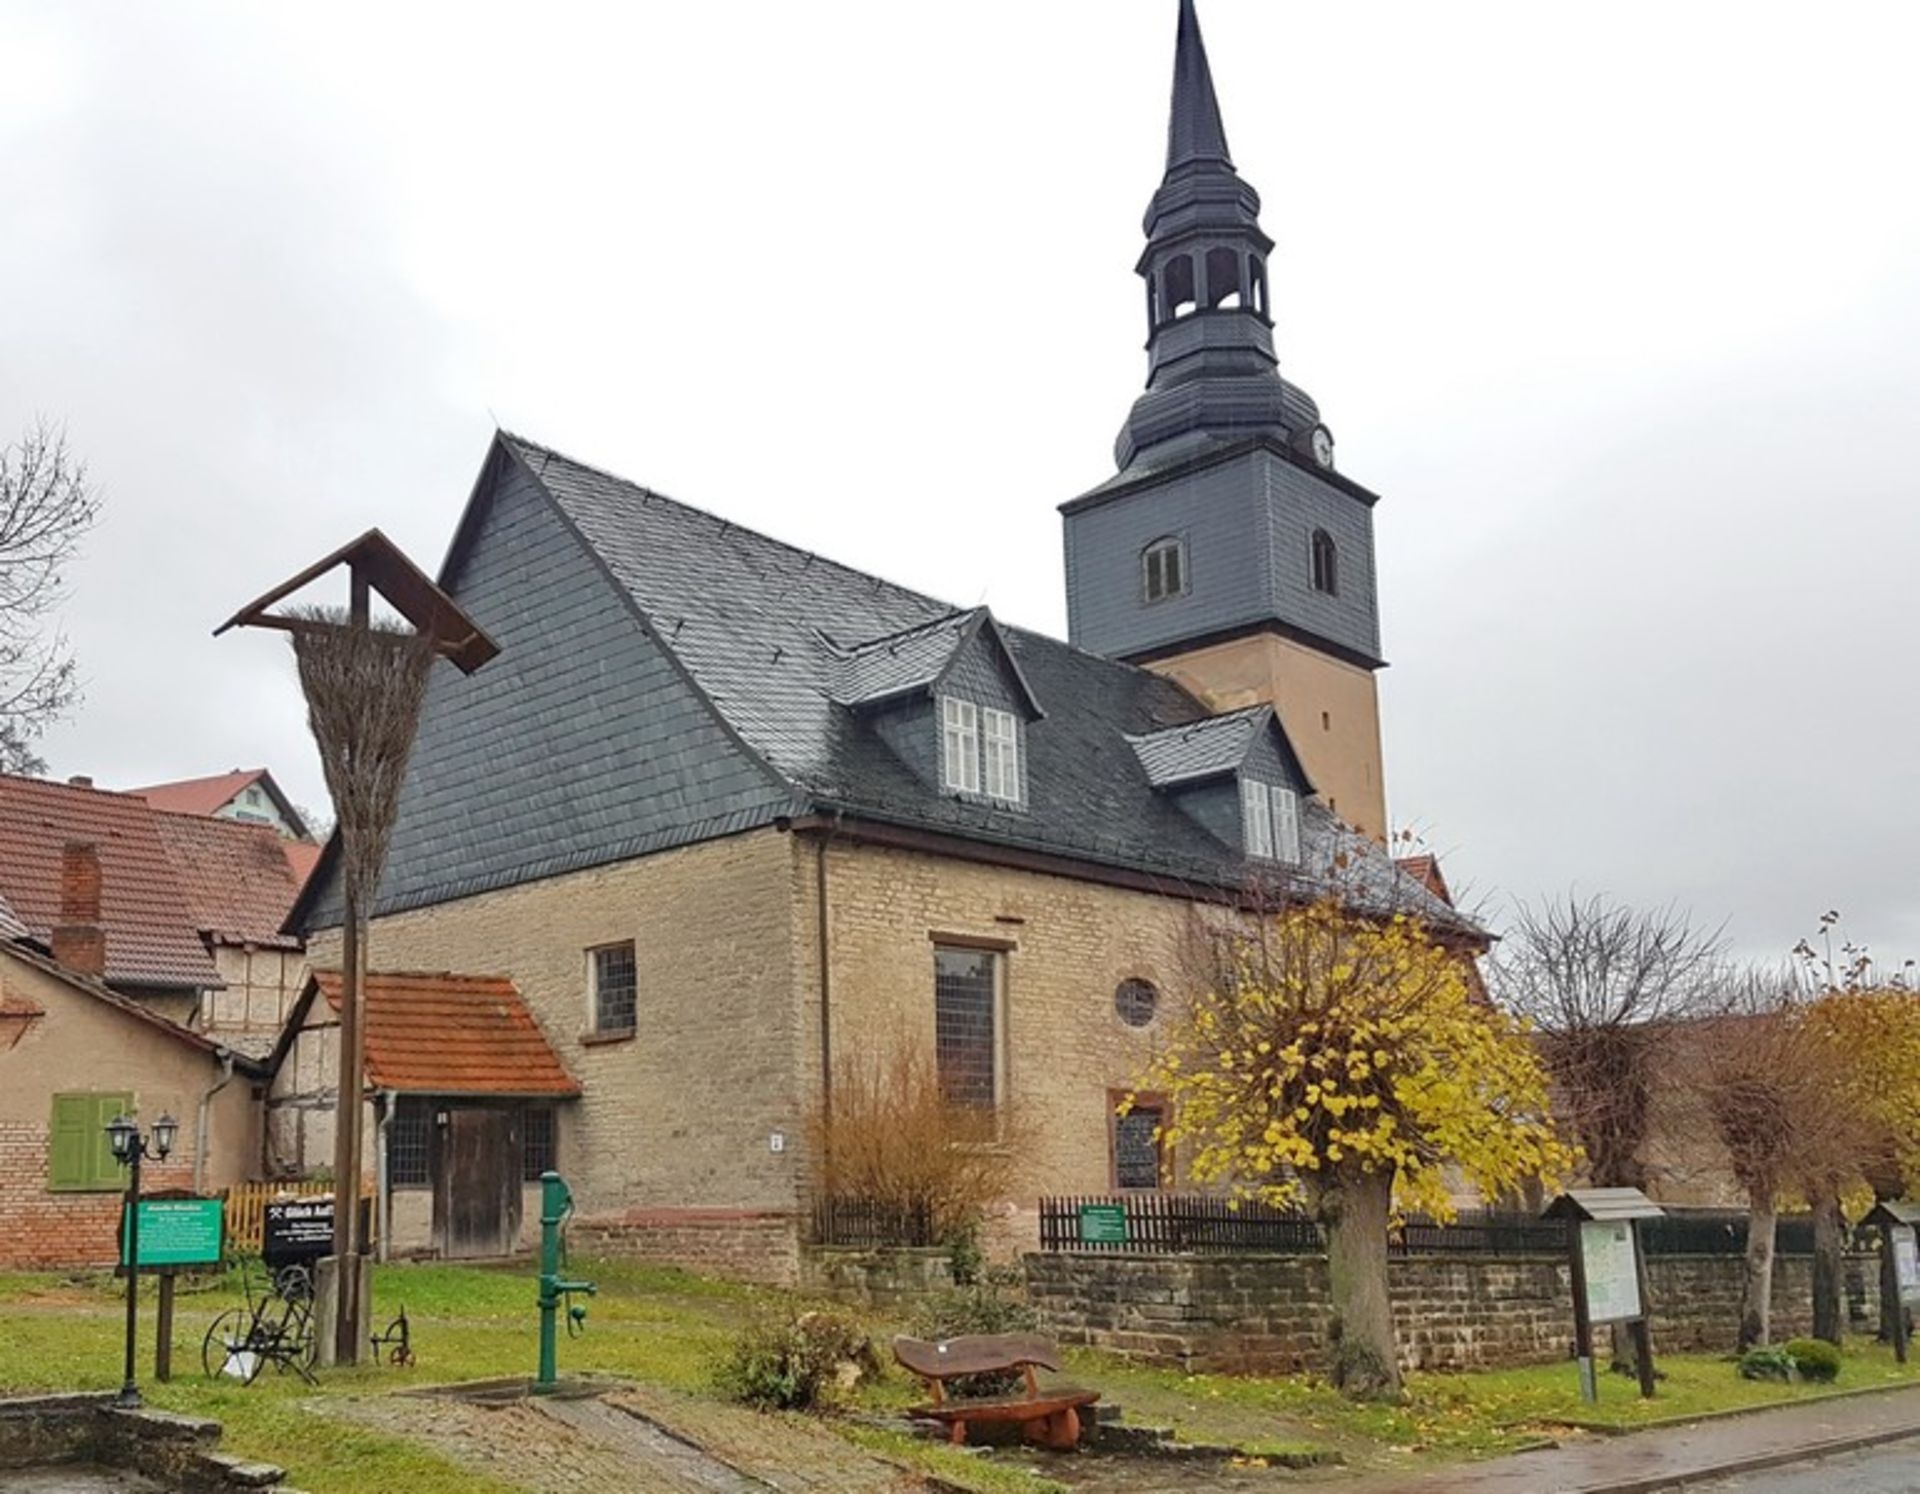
(276, 1328)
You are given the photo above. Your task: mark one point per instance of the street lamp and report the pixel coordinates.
(129, 1146)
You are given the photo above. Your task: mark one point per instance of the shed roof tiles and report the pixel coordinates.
(237, 878)
(446, 1034)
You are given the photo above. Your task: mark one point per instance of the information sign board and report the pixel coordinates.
(1612, 1271)
(178, 1232)
(1103, 1224)
(297, 1230)
(1906, 1262)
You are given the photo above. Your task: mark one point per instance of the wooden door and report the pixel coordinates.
(476, 1201)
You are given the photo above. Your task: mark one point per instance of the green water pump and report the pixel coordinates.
(556, 1203)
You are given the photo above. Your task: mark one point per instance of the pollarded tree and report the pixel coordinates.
(1761, 1071)
(1342, 1063)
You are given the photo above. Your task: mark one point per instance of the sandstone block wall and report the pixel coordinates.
(1268, 1313)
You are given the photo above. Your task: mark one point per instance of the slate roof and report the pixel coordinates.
(899, 663)
(151, 936)
(756, 625)
(444, 1034)
(1199, 749)
(237, 879)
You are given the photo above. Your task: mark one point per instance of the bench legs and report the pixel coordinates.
(1060, 1431)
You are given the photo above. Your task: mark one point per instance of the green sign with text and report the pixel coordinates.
(1103, 1224)
(178, 1232)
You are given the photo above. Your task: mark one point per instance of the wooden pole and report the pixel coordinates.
(163, 1329)
(1582, 1323)
(1643, 1325)
(353, 1066)
(1890, 1281)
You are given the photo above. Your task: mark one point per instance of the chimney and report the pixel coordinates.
(79, 942)
(80, 780)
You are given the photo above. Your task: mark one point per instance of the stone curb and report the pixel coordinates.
(1759, 1462)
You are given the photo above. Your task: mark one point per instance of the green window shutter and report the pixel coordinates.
(70, 1153)
(80, 1157)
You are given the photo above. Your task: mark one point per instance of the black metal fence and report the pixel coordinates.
(870, 1224)
(1181, 1223)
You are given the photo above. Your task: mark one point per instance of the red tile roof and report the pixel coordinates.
(451, 1035)
(200, 795)
(1426, 871)
(302, 857)
(239, 882)
(151, 936)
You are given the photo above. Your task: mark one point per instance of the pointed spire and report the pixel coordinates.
(1196, 132)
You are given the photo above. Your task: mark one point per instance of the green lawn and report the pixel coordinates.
(667, 1328)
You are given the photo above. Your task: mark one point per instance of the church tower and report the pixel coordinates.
(1228, 551)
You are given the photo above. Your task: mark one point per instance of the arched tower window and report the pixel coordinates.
(1179, 295)
(1153, 302)
(1326, 564)
(1257, 278)
(1163, 568)
(1223, 279)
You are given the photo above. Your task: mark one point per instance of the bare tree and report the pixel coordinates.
(46, 505)
(1604, 984)
(1762, 1074)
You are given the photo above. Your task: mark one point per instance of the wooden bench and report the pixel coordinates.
(1049, 1416)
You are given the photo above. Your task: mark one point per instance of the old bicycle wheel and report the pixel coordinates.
(228, 1352)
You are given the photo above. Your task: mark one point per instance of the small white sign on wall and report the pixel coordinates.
(777, 1142)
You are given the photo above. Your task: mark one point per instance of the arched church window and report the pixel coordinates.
(1257, 277)
(1326, 564)
(1163, 568)
(1223, 279)
(1180, 294)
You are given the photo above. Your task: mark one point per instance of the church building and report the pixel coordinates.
(725, 817)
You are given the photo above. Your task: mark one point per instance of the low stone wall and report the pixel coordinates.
(1267, 1313)
(875, 1279)
(39, 1432)
(742, 1244)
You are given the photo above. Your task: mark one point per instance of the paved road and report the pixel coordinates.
(1894, 1469)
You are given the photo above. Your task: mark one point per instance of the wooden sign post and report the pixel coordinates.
(1900, 1264)
(1609, 1270)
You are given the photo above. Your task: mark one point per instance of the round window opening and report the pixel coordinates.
(1136, 1001)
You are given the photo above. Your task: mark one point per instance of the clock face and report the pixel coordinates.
(1323, 446)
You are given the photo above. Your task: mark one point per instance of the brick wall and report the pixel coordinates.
(46, 1230)
(741, 1244)
(1268, 1313)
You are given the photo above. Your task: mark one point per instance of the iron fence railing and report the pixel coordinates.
(1182, 1223)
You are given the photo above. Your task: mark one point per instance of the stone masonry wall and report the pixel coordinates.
(1268, 1313)
(876, 1279)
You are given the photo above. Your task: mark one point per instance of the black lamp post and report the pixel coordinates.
(129, 1146)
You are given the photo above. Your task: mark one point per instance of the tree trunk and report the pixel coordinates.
(1355, 1207)
(1829, 1246)
(1756, 1287)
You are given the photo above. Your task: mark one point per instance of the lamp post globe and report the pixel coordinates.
(165, 1131)
(122, 1135)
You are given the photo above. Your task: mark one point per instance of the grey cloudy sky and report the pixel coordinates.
(1619, 307)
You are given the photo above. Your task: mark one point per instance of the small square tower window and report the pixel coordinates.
(1164, 569)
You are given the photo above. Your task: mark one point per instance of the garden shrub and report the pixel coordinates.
(798, 1361)
(1815, 1359)
(1768, 1364)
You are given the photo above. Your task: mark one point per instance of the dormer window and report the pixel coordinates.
(980, 751)
(959, 745)
(1270, 820)
(1164, 568)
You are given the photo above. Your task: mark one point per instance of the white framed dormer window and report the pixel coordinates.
(1270, 821)
(1000, 752)
(959, 745)
(1163, 568)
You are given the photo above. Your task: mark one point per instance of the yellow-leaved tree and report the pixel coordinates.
(1343, 1062)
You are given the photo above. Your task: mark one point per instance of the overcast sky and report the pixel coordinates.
(1618, 307)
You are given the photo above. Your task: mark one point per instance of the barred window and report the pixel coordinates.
(409, 1135)
(964, 1038)
(536, 1143)
(614, 985)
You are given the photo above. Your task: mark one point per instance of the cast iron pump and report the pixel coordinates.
(556, 1204)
